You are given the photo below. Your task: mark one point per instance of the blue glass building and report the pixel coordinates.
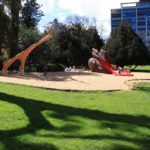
(137, 14)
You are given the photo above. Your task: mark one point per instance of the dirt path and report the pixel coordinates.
(77, 80)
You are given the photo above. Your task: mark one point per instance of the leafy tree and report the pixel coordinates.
(27, 37)
(15, 8)
(1, 24)
(4, 55)
(31, 14)
(59, 46)
(11, 22)
(4, 27)
(126, 47)
(41, 55)
(74, 41)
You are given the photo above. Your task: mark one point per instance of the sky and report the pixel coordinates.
(99, 9)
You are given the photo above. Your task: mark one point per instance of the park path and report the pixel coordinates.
(77, 80)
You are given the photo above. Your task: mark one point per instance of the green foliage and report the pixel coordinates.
(15, 8)
(4, 28)
(30, 14)
(4, 54)
(29, 36)
(73, 43)
(44, 67)
(30, 68)
(42, 55)
(39, 119)
(55, 67)
(126, 47)
(68, 46)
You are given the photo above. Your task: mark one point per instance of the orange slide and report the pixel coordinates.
(24, 54)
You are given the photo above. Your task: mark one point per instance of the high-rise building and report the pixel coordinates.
(137, 14)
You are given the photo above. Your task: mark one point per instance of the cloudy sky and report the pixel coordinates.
(60, 9)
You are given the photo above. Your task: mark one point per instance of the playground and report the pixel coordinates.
(77, 81)
(68, 87)
(97, 79)
(37, 118)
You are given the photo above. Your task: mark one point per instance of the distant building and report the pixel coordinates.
(137, 14)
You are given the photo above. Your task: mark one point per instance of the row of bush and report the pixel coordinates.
(44, 67)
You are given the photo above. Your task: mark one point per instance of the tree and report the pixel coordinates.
(126, 47)
(31, 14)
(27, 37)
(4, 26)
(41, 55)
(74, 42)
(1, 24)
(15, 8)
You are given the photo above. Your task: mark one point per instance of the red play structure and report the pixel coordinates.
(101, 63)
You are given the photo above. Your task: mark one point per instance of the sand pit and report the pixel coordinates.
(87, 81)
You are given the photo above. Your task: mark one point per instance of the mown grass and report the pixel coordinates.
(145, 68)
(39, 119)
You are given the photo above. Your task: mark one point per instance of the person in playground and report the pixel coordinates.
(119, 69)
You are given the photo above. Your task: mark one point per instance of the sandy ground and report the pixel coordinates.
(77, 80)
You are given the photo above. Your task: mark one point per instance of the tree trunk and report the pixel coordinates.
(1, 25)
(15, 7)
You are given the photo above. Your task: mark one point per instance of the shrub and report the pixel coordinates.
(30, 68)
(55, 67)
(4, 54)
(41, 67)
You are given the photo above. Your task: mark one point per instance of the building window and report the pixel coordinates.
(137, 16)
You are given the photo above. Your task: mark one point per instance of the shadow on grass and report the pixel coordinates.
(13, 144)
(145, 89)
(37, 121)
(142, 87)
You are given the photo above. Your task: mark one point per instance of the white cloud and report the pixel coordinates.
(100, 9)
(48, 6)
(94, 8)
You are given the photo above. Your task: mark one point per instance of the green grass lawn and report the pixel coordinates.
(145, 68)
(39, 119)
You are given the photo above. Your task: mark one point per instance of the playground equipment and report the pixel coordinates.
(101, 63)
(22, 57)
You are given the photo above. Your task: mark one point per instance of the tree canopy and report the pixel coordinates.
(126, 47)
(30, 14)
(4, 27)
(74, 42)
(15, 8)
(71, 43)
